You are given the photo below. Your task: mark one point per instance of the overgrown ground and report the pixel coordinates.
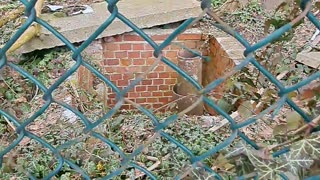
(129, 129)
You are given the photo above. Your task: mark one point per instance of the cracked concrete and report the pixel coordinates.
(144, 14)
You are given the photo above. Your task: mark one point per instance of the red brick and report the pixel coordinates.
(167, 48)
(86, 78)
(146, 94)
(115, 77)
(116, 38)
(125, 62)
(147, 82)
(111, 96)
(158, 81)
(152, 88)
(132, 37)
(121, 54)
(134, 69)
(156, 106)
(150, 61)
(170, 81)
(139, 61)
(128, 76)
(148, 47)
(133, 94)
(112, 46)
(126, 106)
(112, 62)
(200, 44)
(141, 100)
(159, 37)
(191, 44)
(122, 83)
(168, 69)
(171, 86)
(146, 54)
(145, 68)
(164, 100)
(126, 46)
(119, 70)
(160, 94)
(110, 69)
(163, 87)
(109, 54)
(176, 47)
(152, 75)
(174, 74)
(171, 54)
(134, 54)
(205, 53)
(189, 37)
(141, 88)
(152, 100)
(159, 68)
(139, 46)
(164, 75)
(168, 93)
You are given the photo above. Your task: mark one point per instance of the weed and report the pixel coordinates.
(249, 13)
(217, 3)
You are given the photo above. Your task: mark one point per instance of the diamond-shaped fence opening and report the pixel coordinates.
(113, 159)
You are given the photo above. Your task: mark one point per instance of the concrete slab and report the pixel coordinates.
(311, 59)
(144, 14)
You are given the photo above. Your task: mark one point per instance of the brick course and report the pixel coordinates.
(128, 55)
(123, 58)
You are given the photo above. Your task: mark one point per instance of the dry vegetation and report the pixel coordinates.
(22, 98)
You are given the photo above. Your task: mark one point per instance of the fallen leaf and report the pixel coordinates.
(245, 109)
(310, 90)
(294, 121)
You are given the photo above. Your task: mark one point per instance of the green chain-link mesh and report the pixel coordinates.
(127, 160)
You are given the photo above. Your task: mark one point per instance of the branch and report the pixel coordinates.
(30, 33)
(312, 124)
(12, 15)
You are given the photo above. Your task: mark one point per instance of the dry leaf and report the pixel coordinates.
(245, 109)
(310, 90)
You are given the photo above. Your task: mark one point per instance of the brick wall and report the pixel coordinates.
(123, 57)
(225, 53)
(128, 55)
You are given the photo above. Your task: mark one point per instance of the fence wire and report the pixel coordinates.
(127, 160)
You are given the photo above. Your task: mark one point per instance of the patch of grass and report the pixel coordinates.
(6, 5)
(46, 65)
(217, 3)
(249, 12)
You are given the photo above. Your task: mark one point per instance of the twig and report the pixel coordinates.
(224, 122)
(77, 95)
(12, 15)
(281, 75)
(9, 86)
(10, 123)
(284, 143)
(172, 102)
(302, 15)
(185, 111)
(154, 166)
(313, 123)
(35, 94)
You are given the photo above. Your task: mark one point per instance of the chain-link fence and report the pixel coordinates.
(127, 160)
